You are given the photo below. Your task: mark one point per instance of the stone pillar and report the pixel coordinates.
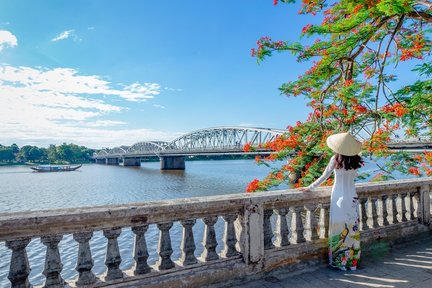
(140, 250)
(282, 231)
(425, 204)
(296, 226)
(188, 243)
(362, 215)
(131, 162)
(401, 207)
(172, 162)
(53, 264)
(268, 231)
(230, 236)
(85, 260)
(112, 161)
(311, 224)
(209, 241)
(113, 258)
(392, 209)
(324, 220)
(19, 264)
(164, 247)
(383, 215)
(250, 235)
(372, 215)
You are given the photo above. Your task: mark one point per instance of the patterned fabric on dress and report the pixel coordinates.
(344, 234)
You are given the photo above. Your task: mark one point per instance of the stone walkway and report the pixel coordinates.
(409, 266)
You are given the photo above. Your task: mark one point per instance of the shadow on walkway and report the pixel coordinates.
(409, 266)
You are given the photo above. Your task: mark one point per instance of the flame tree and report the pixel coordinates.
(355, 54)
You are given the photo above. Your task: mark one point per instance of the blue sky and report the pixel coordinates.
(109, 73)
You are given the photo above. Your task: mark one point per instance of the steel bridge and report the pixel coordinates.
(215, 141)
(209, 141)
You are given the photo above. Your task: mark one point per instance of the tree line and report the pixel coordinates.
(64, 153)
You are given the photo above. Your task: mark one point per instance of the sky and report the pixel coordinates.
(108, 73)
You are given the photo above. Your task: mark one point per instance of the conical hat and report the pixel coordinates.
(344, 144)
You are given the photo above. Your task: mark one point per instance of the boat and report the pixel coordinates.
(55, 168)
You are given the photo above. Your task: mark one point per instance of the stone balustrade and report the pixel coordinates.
(262, 231)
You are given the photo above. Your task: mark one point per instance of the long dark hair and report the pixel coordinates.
(348, 162)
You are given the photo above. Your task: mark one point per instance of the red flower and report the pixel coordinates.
(247, 147)
(253, 186)
(349, 82)
(306, 28)
(413, 170)
(360, 108)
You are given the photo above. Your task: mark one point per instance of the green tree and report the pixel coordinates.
(30, 153)
(350, 85)
(6, 154)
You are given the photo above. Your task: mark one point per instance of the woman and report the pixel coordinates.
(344, 234)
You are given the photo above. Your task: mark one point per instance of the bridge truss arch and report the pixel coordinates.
(116, 151)
(102, 153)
(222, 138)
(146, 147)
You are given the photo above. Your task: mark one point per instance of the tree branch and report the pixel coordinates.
(420, 15)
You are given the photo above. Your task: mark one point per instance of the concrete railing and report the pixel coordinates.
(263, 231)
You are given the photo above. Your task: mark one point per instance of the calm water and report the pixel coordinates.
(21, 190)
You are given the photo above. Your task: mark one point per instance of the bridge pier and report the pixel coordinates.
(172, 162)
(131, 162)
(112, 161)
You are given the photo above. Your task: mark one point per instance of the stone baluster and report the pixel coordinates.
(296, 226)
(401, 207)
(424, 203)
(164, 247)
(411, 200)
(84, 261)
(407, 202)
(362, 214)
(268, 231)
(372, 214)
(209, 241)
(417, 212)
(324, 220)
(311, 224)
(393, 212)
(113, 258)
(19, 264)
(382, 217)
(230, 236)
(53, 264)
(282, 231)
(188, 243)
(140, 250)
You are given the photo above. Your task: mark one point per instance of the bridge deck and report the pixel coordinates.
(408, 266)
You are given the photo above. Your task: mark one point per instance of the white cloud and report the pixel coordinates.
(138, 92)
(63, 35)
(159, 106)
(173, 89)
(40, 105)
(105, 123)
(90, 28)
(7, 39)
(67, 34)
